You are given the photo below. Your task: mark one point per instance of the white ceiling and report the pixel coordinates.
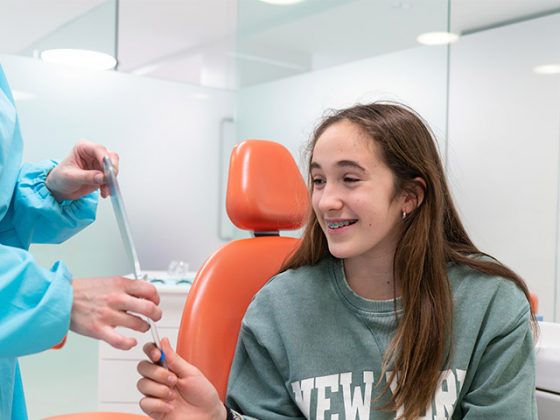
(228, 43)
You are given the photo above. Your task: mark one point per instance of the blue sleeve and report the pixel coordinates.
(35, 216)
(35, 303)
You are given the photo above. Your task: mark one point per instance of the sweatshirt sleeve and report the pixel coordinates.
(34, 215)
(256, 388)
(504, 383)
(35, 303)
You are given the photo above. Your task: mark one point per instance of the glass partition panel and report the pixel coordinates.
(504, 132)
(167, 135)
(276, 41)
(295, 61)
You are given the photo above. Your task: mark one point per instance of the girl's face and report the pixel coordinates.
(353, 194)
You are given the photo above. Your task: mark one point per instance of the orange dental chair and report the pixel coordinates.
(265, 194)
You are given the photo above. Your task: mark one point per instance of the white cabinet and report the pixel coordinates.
(117, 369)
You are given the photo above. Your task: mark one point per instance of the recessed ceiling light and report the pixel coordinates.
(282, 2)
(87, 59)
(547, 69)
(437, 38)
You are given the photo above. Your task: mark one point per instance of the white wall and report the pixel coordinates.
(167, 135)
(504, 132)
(288, 110)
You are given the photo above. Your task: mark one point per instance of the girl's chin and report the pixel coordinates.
(341, 253)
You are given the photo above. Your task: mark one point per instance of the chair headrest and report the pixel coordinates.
(265, 190)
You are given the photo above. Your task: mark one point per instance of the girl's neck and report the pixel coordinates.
(372, 278)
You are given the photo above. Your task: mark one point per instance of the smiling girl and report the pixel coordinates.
(387, 309)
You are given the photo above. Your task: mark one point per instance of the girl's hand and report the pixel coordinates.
(182, 392)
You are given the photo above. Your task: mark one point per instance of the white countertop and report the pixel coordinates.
(166, 284)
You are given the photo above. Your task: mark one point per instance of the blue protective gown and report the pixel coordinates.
(35, 303)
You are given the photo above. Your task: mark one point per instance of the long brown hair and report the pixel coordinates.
(433, 236)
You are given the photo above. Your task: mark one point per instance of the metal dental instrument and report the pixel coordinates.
(124, 227)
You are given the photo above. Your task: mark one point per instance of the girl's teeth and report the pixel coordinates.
(338, 225)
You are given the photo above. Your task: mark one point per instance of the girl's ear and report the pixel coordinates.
(414, 194)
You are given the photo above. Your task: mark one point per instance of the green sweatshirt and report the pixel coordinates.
(309, 347)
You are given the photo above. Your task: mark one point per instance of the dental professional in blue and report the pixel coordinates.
(387, 310)
(48, 202)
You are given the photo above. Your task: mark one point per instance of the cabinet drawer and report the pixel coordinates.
(117, 381)
(171, 305)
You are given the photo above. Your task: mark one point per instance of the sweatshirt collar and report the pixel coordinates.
(351, 298)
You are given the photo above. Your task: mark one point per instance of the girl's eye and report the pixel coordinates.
(350, 179)
(317, 182)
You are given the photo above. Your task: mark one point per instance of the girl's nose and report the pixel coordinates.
(330, 198)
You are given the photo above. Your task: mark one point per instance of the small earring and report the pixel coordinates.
(404, 215)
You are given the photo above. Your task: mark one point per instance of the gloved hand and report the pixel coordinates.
(101, 304)
(81, 172)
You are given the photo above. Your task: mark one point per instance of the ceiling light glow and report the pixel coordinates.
(437, 38)
(547, 69)
(86, 59)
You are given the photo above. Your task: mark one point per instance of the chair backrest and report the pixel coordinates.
(265, 194)
(101, 415)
